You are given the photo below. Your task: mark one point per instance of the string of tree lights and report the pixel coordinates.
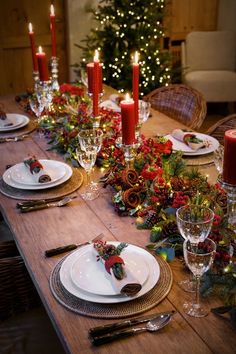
(124, 27)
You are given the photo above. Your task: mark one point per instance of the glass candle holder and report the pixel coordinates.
(231, 202)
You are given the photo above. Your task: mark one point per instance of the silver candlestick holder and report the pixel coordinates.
(231, 202)
(54, 71)
(130, 150)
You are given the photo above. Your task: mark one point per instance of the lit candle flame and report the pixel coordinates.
(136, 55)
(30, 28)
(40, 49)
(127, 97)
(52, 12)
(96, 55)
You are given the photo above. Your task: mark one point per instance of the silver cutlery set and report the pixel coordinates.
(33, 205)
(14, 138)
(108, 333)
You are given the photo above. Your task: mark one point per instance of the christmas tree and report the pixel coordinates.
(126, 26)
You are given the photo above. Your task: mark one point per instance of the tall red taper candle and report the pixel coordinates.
(33, 48)
(90, 77)
(42, 65)
(128, 122)
(229, 165)
(135, 85)
(53, 31)
(95, 83)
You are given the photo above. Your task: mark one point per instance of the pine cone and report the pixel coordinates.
(177, 183)
(152, 219)
(221, 200)
(169, 229)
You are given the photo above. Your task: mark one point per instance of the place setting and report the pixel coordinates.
(197, 148)
(40, 179)
(96, 277)
(14, 126)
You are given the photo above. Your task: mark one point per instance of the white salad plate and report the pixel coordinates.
(49, 165)
(211, 145)
(90, 275)
(69, 285)
(22, 175)
(18, 121)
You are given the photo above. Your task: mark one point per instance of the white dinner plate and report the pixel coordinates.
(154, 274)
(18, 121)
(8, 179)
(22, 175)
(212, 145)
(90, 275)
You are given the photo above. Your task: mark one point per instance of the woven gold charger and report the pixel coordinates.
(60, 191)
(199, 160)
(118, 310)
(31, 126)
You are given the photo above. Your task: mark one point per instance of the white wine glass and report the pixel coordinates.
(194, 224)
(218, 158)
(199, 259)
(87, 161)
(143, 114)
(90, 139)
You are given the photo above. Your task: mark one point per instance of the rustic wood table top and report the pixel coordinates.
(38, 231)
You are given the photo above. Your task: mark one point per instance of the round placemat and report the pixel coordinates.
(62, 190)
(31, 126)
(119, 310)
(199, 160)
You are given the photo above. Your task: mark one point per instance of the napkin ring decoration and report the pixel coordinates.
(189, 138)
(115, 266)
(36, 169)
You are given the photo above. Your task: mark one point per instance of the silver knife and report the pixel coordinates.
(98, 331)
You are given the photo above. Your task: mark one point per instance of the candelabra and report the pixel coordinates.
(231, 202)
(54, 71)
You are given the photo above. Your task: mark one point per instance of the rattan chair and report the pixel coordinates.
(179, 102)
(17, 292)
(218, 130)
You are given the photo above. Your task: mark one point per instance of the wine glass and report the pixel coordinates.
(198, 259)
(143, 114)
(37, 107)
(194, 224)
(90, 138)
(87, 160)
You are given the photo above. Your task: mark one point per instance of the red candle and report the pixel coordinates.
(53, 31)
(135, 84)
(95, 83)
(90, 77)
(229, 165)
(42, 65)
(128, 121)
(33, 49)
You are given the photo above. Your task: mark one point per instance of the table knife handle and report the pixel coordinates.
(54, 251)
(109, 337)
(34, 207)
(100, 330)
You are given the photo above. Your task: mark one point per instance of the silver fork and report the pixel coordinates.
(14, 138)
(60, 203)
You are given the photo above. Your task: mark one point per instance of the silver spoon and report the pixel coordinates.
(152, 326)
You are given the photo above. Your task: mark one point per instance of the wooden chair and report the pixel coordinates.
(179, 102)
(218, 129)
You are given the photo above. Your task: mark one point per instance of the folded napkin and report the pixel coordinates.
(189, 138)
(110, 105)
(4, 121)
(36, 170)
(122, 279)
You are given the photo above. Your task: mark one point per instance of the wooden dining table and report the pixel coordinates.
(81, 221)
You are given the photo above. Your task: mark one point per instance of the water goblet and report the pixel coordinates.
(198, 259)
(87, 161)
(37, 107)
(194, 224)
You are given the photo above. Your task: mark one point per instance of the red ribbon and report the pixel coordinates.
(35, 164)
(111, 261)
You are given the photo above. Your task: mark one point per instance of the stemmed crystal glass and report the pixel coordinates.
(91, 139)
(143, 114)
(199, 259)
(218, 158)
(87, 161)
(194, 223)
(41, 100)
